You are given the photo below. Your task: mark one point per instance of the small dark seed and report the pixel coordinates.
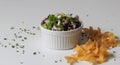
(9, 43)
(13, 39)
(55, 61)
(28, 30)
(5, 38)
(15, 35)
(28, 33)
(23, 22)
(19, 36)
(34, 53)
(22, 40)
(21, 62)
(34, 34)
(25, 30)
(114, 51)
(20, 28)
(60, 60)
(2, 45)
(17, 44)
(12, 28)
(87, 15)
(17, 51)
(114, 59)
(25, 38)
(13, 46)
(5, 46)
(33, 27)
(23, 52)
(38, 52)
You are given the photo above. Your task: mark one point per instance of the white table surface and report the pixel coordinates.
(96, 13)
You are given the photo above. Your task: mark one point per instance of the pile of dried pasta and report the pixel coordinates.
(95, 50)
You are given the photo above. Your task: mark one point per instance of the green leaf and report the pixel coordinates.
(61, 27)
(44, 26)
(74, 20)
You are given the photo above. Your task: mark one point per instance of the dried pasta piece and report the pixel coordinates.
(95, 50)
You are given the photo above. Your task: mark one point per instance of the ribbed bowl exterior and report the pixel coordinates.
(60, 39)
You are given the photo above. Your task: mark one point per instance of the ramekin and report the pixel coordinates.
(60, 39)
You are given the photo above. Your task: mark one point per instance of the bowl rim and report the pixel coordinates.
(62, 31)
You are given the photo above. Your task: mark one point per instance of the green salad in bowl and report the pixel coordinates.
(61, 22)
(61, 31)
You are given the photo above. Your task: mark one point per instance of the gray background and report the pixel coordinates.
(96, 13)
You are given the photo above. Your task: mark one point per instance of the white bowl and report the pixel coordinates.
(60, 39)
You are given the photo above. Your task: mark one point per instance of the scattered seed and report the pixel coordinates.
(17, 51)
(5, 46)
(5, 38)
(22, 40)
(20, 29)
(34, 53)
(2, 45)
(34, 34)
(21, 62)
(28, 30)
(28, 33)
(87, 15)
(13, 39)
(38, 52)
(19, 36)
(9, 43)
(12, 28)
(15, 35)
(60, 60)
(13, 46)
(25, 38)
(23, 51)
(114, 59)
(55, 61)
(25, 30)
(17, 44)
(22, 22)
(33, 27)
(114, 51)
